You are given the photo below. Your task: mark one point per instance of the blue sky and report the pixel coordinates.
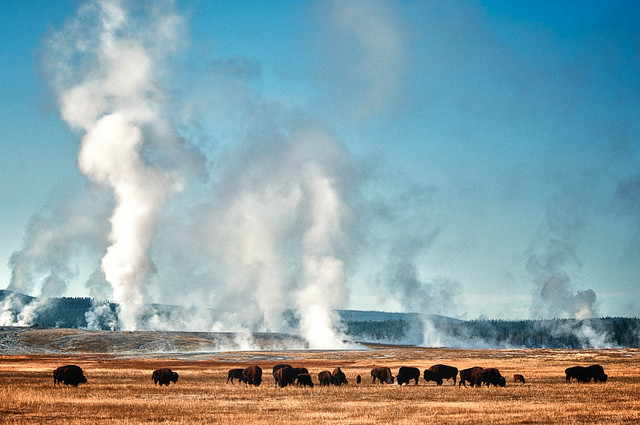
(483, 157)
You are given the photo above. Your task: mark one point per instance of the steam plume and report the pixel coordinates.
(73, 224)
(278, 230)
(103, 65)
(553, 257)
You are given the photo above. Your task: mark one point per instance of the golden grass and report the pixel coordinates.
(120, 391)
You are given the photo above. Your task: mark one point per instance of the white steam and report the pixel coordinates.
(104, 66)
(278, 231)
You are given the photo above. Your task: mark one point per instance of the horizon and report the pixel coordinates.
(471, 159)
(389, 312)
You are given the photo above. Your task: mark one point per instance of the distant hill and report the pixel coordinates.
(365, 326)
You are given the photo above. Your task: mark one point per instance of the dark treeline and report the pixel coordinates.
(388, 330)
(554, 333)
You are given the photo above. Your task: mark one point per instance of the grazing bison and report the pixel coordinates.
(304, 380)
(285, 376)
(490, 376)
(382, 374)
(406, 374)
(338, 377)
(235, 374)
(585, 374)
(68, 375)
(466, 375)
(164, 376)
(275, 368)
(518, 378)
(325, 378)
(358, 379)
(252, 375)
(597, 373)
(440, 372)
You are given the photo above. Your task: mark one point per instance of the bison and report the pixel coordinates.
(285, 376)
(164, 376)
(275, 368)
(338, 377)
(466, 375)
(252, 375)
(235, 374)
(585, 374)
(358, 379)
(597, 373)
(325, 378)
(304, 380)
(490, 376)
(518, 378)
(406, 374)
(441, 372)
(69, 375)
(382, 374)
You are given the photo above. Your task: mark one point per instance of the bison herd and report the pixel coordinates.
(285, 374)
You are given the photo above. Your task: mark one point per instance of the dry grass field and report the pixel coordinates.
(120, 390)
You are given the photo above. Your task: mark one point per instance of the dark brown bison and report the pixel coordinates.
(358, 379)
(518, 378)
(69, 375)
(466, 374)
(285, 376)
(406, 374)
(164, 376)
(597, 373)
(382, 374)
(586, 374)
(299, 370)
(338, 377)
(252, 375)
(304, 380)
(490, 376)
(324, 378)
(275, 368)
(441, 372)
(235, 374)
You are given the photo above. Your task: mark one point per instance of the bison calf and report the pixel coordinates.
(164, 376)
(69, 375)
(518, 378)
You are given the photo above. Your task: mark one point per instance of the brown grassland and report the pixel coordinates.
(120, 390)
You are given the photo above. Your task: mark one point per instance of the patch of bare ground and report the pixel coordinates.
(120, 390)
